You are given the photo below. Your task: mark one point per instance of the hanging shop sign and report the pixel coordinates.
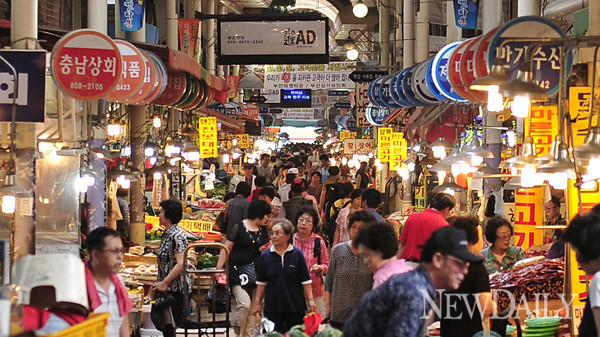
(396, 90)
(347, 134)
(454, 71)
(420, 87)
(233, 83)
(374, 93)
(544, 126)
(207, 136)
(243, 140)
(132, 72)
(249, 111)
(385, 96)
(529, 206)
(466, 13)
(359, 146)
(366, 75)
(362, 101)
(132, 14)
(194, 90)
(161, 79)
(375, 115)
(286, 39)
(589, 199)
(398, 149)
(233, 109)
(86, 64)
(298, 113)
(384, 143)
(467, 70)
(332, 75)
(421, 197)
(150, 80)
(438, 72)
(579, 109)
(188, 35)
(347, 122)
(176, 85)
(30, 66)
(406, 84)
(480, 58)
(545, 60)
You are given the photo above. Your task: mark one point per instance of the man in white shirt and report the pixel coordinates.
(106, 292)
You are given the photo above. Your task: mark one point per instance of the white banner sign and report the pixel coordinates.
(309, 76)
(308, 113)
(273, 37)
(359, 146)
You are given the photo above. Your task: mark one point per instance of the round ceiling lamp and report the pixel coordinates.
(360, 10)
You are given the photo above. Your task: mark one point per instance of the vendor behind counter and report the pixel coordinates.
(501, 255)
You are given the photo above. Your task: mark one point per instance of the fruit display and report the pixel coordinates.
(154, 232)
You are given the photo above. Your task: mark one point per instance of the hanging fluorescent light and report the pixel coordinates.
(114, 128)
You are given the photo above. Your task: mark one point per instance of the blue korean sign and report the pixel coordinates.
(407, 86)
(439, 72)
(545, 60)
(385, 93)
(30, 87)
(396, 90)
(373, 92)
(376, 115)
(132, 14)
(218, 107)
(466, 13)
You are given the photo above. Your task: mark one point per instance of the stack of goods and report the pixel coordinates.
(544, 277)
(542, 326)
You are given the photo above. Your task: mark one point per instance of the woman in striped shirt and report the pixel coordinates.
(314, 249)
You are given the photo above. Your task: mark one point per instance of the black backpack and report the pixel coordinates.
(331, 223)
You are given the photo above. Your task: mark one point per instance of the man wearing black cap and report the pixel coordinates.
(399, 307)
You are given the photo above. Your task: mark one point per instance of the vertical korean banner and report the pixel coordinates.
(579, 110)
(233, 82)
(207, 136)
(384, 142)
(421, 197)
(362, 100)
(132, 14)
(529, 212)
(541, 125)
(188, 35)
(398, 150)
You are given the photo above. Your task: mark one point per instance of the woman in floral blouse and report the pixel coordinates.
(171, 261)
(500, 255)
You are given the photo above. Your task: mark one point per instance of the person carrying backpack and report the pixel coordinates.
(344, 190)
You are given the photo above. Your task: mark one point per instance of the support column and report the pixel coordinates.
(210, 52)
(220, 68)
(422, 41)
(384, 31)
(198, 51)
(398, 51)
(189, 10)
(119, 33)
(528, 7)
(171, 8)
(491, 11)
(97, 15)
(24, 36)
(409, 34)
(453, 33)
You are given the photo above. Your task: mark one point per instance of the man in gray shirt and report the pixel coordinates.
(237, 207)
(264, 169)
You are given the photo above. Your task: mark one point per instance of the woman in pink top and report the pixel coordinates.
(341, 232)
(378, 245)
(314, 249)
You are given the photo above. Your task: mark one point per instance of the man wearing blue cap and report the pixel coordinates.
(399, 307)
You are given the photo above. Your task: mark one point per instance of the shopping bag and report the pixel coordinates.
(263, 326)
(311, 323)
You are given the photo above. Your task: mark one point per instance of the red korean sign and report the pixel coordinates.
(161, 79)
(150, 83)
(544, 125)
(481, 54)
(233, 83)
(250, 111)
(467, 67)
(176, 85)
(133, 72)
(86, 64)
(454, 71)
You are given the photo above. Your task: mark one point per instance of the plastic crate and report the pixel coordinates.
(94, 326)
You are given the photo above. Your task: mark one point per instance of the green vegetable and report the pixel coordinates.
(299, 327)
(207, 260)
(271, 334)
(296, 333)
(329, 332)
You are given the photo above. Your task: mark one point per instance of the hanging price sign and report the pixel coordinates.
(384, 143)
(207, 136)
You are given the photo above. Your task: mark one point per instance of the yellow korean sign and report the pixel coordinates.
(384, 143)
(589, 198)
(529, 212)
(207, 136)
(197, 226)
(398, 150)
(579, 108)
(544, 125)
(421, 197)
(243, 140)
(347, 134)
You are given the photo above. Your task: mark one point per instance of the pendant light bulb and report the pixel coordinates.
(360, 10)
(520, 107)
(495, 99)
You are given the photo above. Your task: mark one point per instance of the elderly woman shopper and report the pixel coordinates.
(171, 261)
(283, 279)
(314, 249)
(500, 255)
(348, 278)
(378, 245)
(243, 241)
